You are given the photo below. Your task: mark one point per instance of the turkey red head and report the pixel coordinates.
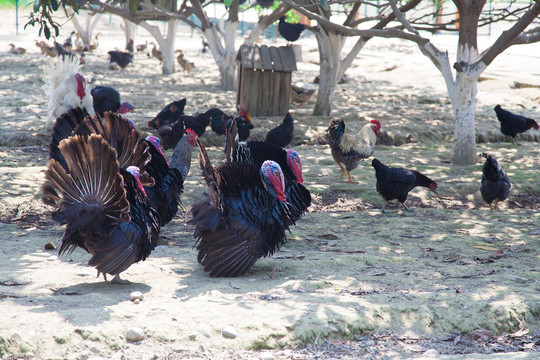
(125, 107)
(136, 172)
(273, 179)
(81, 86)
(293, 160)
(154, 140)
(376, 126)
(191, 136)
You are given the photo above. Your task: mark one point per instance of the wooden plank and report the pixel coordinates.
(250, 90)
(276, 93)
(256, 58)
(240, 91)
(285, 91)
(266, 58)
(276, 59)
(263, 101)
(288, 60)
(244, 57)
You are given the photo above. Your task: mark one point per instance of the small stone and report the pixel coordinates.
(136, 301)
(332, 328)
(206, 330)
(135, 334)
(229, 332)
(431, 353)
(136, 295)
(52, 258)
(192, 337)
(266, 356)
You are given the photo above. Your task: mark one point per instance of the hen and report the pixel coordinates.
(16, 50)
(257, 152)
(301, 95)
(66, 88)
(495, 185)
(290, 32)
(106, 98)
(122, 58)
(283, 134)
(243, 217)
(103, 205)
(512, 124)
(183, 62)
(395, 183)
(350, 149)
(243, 123)
(169, 176)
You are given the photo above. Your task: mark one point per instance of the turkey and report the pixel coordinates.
(66, 88)
(104, 207)
(243, 217)
(257, 152)
(495, 185)
(169, 176)
(106, 98)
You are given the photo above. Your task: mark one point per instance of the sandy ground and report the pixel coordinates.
(451, 280)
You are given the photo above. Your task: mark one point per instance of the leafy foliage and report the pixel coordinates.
(42, 15)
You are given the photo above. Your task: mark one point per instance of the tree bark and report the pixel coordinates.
(85, 30)
(330, 46)
(166, 45)
(130, 30)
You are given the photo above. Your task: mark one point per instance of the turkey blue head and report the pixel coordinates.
(273, 180)
(136, 172)
(154, 140)
(293, 160)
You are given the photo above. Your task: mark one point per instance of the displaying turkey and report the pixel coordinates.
(169, 176)
(243, 216)
(104, 207)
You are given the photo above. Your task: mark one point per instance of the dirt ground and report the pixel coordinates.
(453, 280)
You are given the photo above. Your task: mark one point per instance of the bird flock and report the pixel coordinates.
(114, 190)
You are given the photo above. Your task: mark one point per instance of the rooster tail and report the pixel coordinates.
(93, 197)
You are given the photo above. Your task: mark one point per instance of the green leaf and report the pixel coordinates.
(133, 6)
(54, 5)
(324, 4)
(47, 32)
(36, 6)
(228, 3)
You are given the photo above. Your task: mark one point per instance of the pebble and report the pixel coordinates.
(229, 332)
(135, 334)
(136, 295)
(266, 356)
(52, 258)
(431, 352)
(206, 330)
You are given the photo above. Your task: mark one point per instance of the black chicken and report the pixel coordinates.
(257, 152)
(243, 123)
(62, 51)
(104, 206)
(290, 32)
(106, 98)
(243, 217)
(168, 115)
(512, 124)
(122, 58)
(395, 183)
(68, 43)
(495, 185)
(283, 134)
(169, 176)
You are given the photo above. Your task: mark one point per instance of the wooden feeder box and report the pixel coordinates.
(264, 79)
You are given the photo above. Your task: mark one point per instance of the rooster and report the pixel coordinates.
(290, 32)
(66, 88)
(350, 149)
(395, 183)
(495, 185)
(513, 124)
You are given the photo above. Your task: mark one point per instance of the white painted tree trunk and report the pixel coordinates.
(330, 46)
(84, 23)
(225, 56)
(130, 30)
(463, 98)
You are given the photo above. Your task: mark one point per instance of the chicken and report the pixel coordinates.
(94, 185)
(243, 123)
(122, 58)
(290, 32)
(183, 62)
(350, 149)
(142, 47)
(66, 88)
(257, 152)
(68, 43)
(395, 183)
(495, 185)
(169, 176)
(106, 98)
(199, 121)
(512, 124)
(94, 43)
(16, 50)
(157, 53)
(62, 51)
(79, 44)
(129, 46)
(46, 49)
(283, 134)
(300, 95)
(243, 217)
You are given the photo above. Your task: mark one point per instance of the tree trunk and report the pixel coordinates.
(85, 30)
(227, 56)
(130, 30)
(166, 45)
(330, 46)
(463, 105)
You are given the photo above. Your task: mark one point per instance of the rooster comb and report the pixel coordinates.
(377, 123)
(191, 132)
